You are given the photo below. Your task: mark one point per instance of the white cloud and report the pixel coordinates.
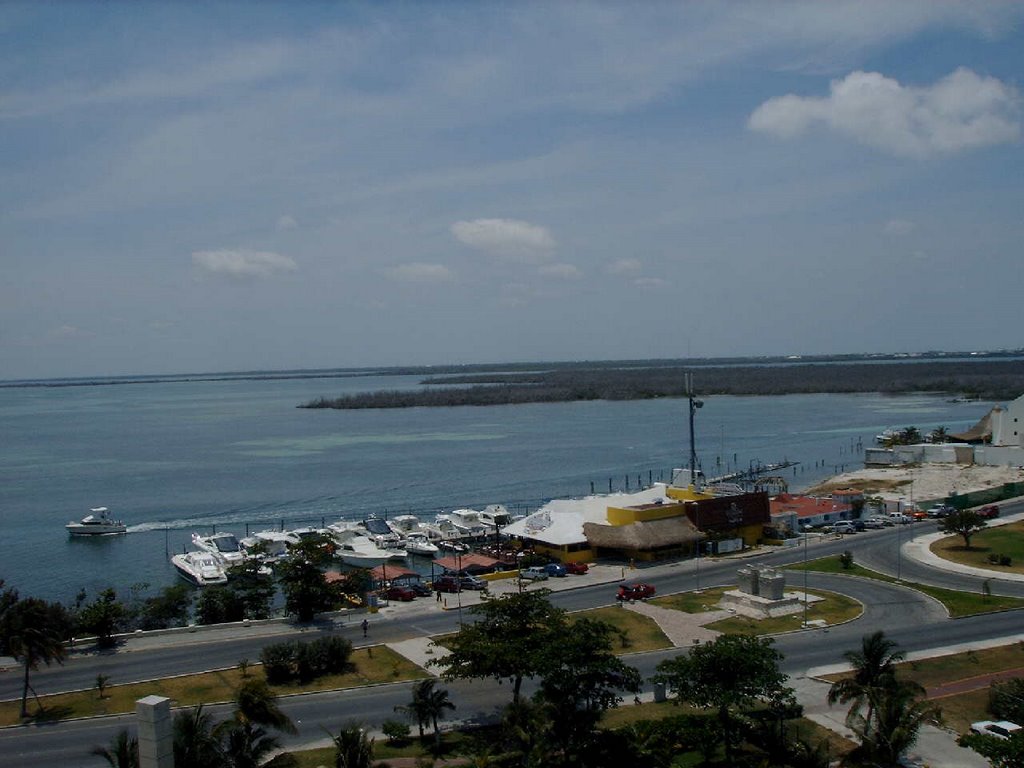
(285, 223)
(507, 238)
(962, 111)
(420, 273)
(243, 263)
(624, 266)
(899, 227)
(563, 271)
(69, 333)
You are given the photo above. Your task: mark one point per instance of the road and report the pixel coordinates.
(917, 622)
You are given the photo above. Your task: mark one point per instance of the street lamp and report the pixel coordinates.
(694, 405)
(805, 580)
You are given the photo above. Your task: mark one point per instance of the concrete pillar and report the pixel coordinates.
(747, 578)
(659, 692)
(156, 736)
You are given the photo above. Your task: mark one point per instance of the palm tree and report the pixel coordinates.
(195, 745)
(428, 705)
(352, 747)
(874, 669)
(245, 740)
(898, 714)
(33, 633)
(122, 753)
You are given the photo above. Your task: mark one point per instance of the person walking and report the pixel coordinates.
(366, 626)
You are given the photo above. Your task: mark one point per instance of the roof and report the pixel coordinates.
(980, 432)
(649, 534)
(560, 521)
(391, 572)
(807, 506)
(460, 563)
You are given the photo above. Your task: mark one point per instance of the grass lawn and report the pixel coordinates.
(957, 603)
(641, 633)
(1002, 540)
(377, 664)
(834, 609)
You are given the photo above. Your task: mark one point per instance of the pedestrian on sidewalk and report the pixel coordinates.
(366, 626)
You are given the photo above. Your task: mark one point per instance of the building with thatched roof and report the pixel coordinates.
(657, 522)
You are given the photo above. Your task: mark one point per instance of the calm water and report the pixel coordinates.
(173, 458)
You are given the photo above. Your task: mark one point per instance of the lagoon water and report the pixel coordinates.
(174, 457)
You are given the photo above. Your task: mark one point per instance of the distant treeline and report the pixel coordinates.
(986, 380)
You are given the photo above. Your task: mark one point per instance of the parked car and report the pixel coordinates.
(1001, 729)
(577, 569)
(859, 524)
(401, 593)
(898, 518)
(447, 583)
(533, 573)
(639, 591)
(421, 589)
(472, 582)
(989, 512)
(844, 526)
(555, 569)
(940, 510)
(875, 522)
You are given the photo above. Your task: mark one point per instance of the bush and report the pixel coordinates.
(846, 560)
(1005, 560)
(395, 730)
(305, 662)
(1006, 700)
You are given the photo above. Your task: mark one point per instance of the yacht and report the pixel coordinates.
(270, 546)
(355, 548)
(417, 543)
(442, 529)
(378, 529)
(495, 517)
(406, 524)
(467, 521)
(97, 523)
(223, 546)
(200, 568)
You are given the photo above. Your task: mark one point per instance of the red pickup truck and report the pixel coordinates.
(639, 591)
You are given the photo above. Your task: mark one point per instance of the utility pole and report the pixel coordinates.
(694, 405)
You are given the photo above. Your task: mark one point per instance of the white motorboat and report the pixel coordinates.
(97, 523)
(270, 546)
(417, 543)
(452, 545)
(355, 548)
(223, 546)
(442, 529)
(495, 517)
(406, 524)
(199, 568)
(382, 534)
(467, 522)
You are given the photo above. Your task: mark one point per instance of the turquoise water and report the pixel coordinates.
(171, 458)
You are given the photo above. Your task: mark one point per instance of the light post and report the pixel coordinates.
(694, 405)
(458, 581)
(899, 526)
(805, 580)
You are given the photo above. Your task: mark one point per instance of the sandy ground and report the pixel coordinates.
(921, 481)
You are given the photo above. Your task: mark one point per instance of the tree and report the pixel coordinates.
(305, 587)
(886, 713)
(1006, 700)
(874, 669)
(168, 608)
(123, 751)
(219, 604)
(103, 617)
(963, 522)
(352, 747)
(580, 679)
(245, 740)
(732, 674)
(253, 588)
(938, 435)
(494, 646)
(33, 632)
(897, 714)
(195, 745)
(1001, 753)
(427, 706)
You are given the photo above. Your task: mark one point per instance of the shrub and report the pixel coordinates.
(305, 662)
(1005, 560)
(395, 730)
(846, 560)
(1006, 700)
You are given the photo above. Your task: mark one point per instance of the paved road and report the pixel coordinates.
(915, 621)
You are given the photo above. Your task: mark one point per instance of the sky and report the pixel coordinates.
(191, 187)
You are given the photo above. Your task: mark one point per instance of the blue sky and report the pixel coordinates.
(219, 186)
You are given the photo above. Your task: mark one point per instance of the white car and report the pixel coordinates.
(1001, 729)
(844, 526)
(535, 573)
(875, 522)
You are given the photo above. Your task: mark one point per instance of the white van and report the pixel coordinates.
(900, 519)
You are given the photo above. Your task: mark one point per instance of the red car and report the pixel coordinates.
(577, 568)
(635, 592)
(400, 593)
(989, 512)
